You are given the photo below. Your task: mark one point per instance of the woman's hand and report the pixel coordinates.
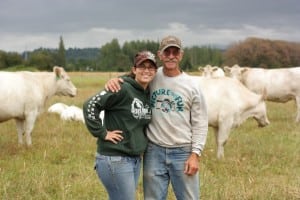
(114, 136)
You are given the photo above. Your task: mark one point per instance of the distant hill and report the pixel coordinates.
(82, 54)
(74, 54)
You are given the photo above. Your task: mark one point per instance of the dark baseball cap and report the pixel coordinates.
(144, 55)
(169, 41)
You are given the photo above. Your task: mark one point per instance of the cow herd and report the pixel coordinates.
(280, 85)
(230, 100)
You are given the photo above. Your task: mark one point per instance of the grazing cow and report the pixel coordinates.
(209, 71)
(57, 108)
(281, 85)
(229, 104)
(24, 94)
(72, 113)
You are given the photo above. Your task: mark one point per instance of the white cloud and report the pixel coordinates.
(98, 36)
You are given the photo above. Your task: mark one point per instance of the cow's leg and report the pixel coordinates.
(298, 108)
(29, 124)
(220, 148)
(20, 130)
(222, 136)
(216, 131)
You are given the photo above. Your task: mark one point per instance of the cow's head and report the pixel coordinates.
(64, 84)
(235, 71)
(260, 114)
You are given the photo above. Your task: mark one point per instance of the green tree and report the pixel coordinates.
(9, 59)
(3, 63)
(61, 55)
(185, 63)
(112, 58)
(201, 56)
(13, 59)
(41, 59)
(132, 47)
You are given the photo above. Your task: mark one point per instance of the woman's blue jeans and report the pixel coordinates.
(164, 165)
(119, 175)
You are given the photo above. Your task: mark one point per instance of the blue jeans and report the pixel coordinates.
(119, 175)
(164, 165)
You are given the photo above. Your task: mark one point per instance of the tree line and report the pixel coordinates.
(264, 53)
(252, 52)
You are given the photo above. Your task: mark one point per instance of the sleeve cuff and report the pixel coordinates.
(198, 152)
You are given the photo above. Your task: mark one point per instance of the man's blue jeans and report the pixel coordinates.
(119, 175)
(164, 165)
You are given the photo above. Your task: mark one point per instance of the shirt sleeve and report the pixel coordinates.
(92, 109)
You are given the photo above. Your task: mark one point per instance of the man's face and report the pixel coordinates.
(171, 57)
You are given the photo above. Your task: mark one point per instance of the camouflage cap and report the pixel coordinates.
(169, 41)
(142, 56)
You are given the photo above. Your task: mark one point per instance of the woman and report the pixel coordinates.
(121, 137)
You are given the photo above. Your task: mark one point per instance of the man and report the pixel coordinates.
(178, 130)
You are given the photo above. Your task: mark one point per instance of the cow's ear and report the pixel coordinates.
(215, 68)
(57, 72)
(227, 69)
(244, 70)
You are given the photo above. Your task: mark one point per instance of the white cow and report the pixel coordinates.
(209, 71)
(229, 104)
(24, 94)
(72, 113)
(281, 85)
(57, 108)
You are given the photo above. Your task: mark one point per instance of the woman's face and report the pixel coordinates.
(144, 72)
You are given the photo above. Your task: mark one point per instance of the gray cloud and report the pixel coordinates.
(30, 24)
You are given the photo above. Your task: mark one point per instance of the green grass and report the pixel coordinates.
(20, 68)
(259, 164)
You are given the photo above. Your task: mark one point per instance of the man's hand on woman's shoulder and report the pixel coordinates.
(113, 84)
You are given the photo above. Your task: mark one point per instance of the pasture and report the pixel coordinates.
(259, 164)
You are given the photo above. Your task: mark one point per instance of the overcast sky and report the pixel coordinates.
(30, 24)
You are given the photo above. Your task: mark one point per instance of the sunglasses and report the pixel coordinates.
(173, 51)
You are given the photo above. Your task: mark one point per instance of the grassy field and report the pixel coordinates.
(259, 164)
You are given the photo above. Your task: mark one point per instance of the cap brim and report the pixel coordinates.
(170, 45)
(141, 61)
